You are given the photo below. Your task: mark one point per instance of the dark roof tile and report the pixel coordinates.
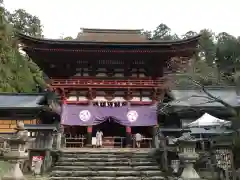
(21, 100)
(197, 98)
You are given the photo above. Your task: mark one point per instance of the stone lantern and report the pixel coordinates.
(17, 153)
(188, 155)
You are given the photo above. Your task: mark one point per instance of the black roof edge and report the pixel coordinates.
(40, 107)
(22, 94)
(61, 41)
(41, 127)
(16, 108)
(97, 30)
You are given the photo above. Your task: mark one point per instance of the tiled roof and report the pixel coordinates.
(197, 98)
(21, 100)
(111, 35)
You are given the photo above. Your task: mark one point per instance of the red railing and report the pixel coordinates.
(97, 83)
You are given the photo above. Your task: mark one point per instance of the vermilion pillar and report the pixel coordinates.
(128, 137)
(89, 136)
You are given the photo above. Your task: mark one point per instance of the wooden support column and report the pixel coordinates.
(128, 137)
(155, 141)
(89, 136)
(89, 128)
(60, 132)
(128, 129)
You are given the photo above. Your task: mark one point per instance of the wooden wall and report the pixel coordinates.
(7, 125)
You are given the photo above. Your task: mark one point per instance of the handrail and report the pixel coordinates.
(94, 82)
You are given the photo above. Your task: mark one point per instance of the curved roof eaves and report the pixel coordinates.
(79, 42)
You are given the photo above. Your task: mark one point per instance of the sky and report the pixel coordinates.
(65, 18)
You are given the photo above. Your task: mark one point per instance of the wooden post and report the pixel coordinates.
(50, 140)
(234, 177)
(59, 140)
(155, 142)
(164, 148)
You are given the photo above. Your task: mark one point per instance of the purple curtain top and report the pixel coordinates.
(79, 115)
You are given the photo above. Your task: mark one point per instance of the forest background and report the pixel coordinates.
(216, 63)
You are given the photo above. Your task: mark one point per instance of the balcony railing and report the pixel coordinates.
(97, 83)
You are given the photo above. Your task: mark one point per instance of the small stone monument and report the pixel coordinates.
(36, 165)
(175, 164)
(188, 156)
(17, 153)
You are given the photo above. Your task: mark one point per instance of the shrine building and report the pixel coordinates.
(31, 108)
(109, 79)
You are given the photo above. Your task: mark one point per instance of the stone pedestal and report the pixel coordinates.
(14, 173)
(189, 172)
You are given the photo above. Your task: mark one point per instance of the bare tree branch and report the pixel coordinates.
(214, 97)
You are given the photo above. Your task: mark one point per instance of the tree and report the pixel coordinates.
(189, 34)
(68, 38)
(163, 32)
(26, 23)
(17, 72)
(207, 48)
(148, 34)
(228, 52)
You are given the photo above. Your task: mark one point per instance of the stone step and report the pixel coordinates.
(102, 159)
(104, 173)
(115, 163)
(106, 164)
(106, 155)
(105, 168)
(107, 150)
(108, 178)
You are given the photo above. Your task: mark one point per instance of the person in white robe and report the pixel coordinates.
(138, 137)
(99, 137)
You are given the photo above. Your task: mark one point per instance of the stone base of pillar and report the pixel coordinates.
(189, 172)
(14, 173)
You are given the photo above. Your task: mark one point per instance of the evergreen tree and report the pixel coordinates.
(17, 72)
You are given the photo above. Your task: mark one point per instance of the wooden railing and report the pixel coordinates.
(75, 142)
(109, 83)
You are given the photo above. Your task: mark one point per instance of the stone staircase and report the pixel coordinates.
(106, 164)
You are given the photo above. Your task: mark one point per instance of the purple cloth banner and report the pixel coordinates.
(77, 115)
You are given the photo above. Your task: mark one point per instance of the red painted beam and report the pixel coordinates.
(85, 83)
(131, 102)
(110, 87)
